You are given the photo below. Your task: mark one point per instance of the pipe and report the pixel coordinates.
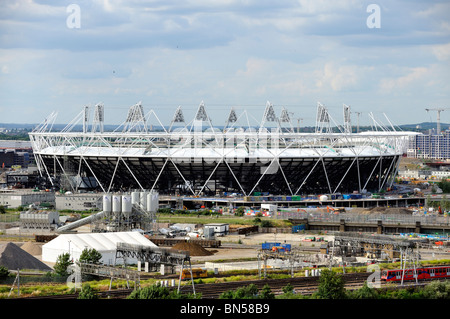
(81, 222)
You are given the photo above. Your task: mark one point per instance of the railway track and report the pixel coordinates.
(304, 285)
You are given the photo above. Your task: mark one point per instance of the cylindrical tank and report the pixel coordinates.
(107, 203)
(135, 198)
(126, 205)
(116, 203)
(143, 200)
(152, 202)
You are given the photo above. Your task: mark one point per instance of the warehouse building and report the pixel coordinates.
(84, 201)
(15, 198)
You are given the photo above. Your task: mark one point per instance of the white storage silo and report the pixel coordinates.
(143, 200)
(135, 198)
(116, 204)
(152, 202)
(107, 203)
(126, 205)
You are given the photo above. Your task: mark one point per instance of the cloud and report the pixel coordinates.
(442, 52)
(169, 53)
(337, 78)
(412, 75)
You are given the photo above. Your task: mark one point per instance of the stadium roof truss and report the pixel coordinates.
(196, 157)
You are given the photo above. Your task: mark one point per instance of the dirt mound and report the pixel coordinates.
(13, 257)
(32, 248)
(193, 249)
(387, 210)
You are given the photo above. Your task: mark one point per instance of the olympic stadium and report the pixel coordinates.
(197, 158)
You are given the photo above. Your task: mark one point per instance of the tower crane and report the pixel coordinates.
(438, 117)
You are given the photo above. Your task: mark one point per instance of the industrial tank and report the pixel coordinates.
(143, 200)
(126, 205)
(116, 204)
(135, 198)
(152, 202)
(107, 203)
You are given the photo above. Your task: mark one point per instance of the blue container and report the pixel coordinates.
(269, 246)
(297, 228)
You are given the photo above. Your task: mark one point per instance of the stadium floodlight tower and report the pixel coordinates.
(242, 157)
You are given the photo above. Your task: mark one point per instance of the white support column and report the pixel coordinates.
(159, 174)
(326, 175)
(304, 181)
(237, 181)
(131, 172)
(93, 174)
(348, 169)
(182, 177)
(209, 177)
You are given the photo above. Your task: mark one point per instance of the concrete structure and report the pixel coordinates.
(104, 243)
(430, 146)
(16, 198)
(84, 201)
(424, 174)
(19, 153)
(38, 221)
(219, 229)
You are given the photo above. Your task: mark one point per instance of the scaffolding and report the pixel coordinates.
(157, 256)
(110, 272)
(294, 257)
(377, 247)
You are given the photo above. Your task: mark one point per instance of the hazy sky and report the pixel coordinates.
(58, 57)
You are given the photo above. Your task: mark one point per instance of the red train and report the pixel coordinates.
(420, 273)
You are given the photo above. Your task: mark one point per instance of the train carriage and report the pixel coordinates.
(420, 273)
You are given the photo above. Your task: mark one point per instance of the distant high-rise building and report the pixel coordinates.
(430, 146)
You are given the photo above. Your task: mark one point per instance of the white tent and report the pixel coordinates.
(104, 243)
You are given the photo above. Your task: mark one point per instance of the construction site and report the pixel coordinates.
(156, 208)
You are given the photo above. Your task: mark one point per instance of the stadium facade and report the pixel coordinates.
(197, 158)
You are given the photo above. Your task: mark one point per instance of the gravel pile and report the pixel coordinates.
(13, 258)
(193, 249)
(32, 248)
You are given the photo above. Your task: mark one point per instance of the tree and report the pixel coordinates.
(266, 293)
(159, 292)
(240, 211)
(90, 256)
(437, 290)
(4, 272)
(288, 289)
(331, 286)
(246, 292)
(444, 185)
(62, 264)
(365, 292)
(87, 292)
